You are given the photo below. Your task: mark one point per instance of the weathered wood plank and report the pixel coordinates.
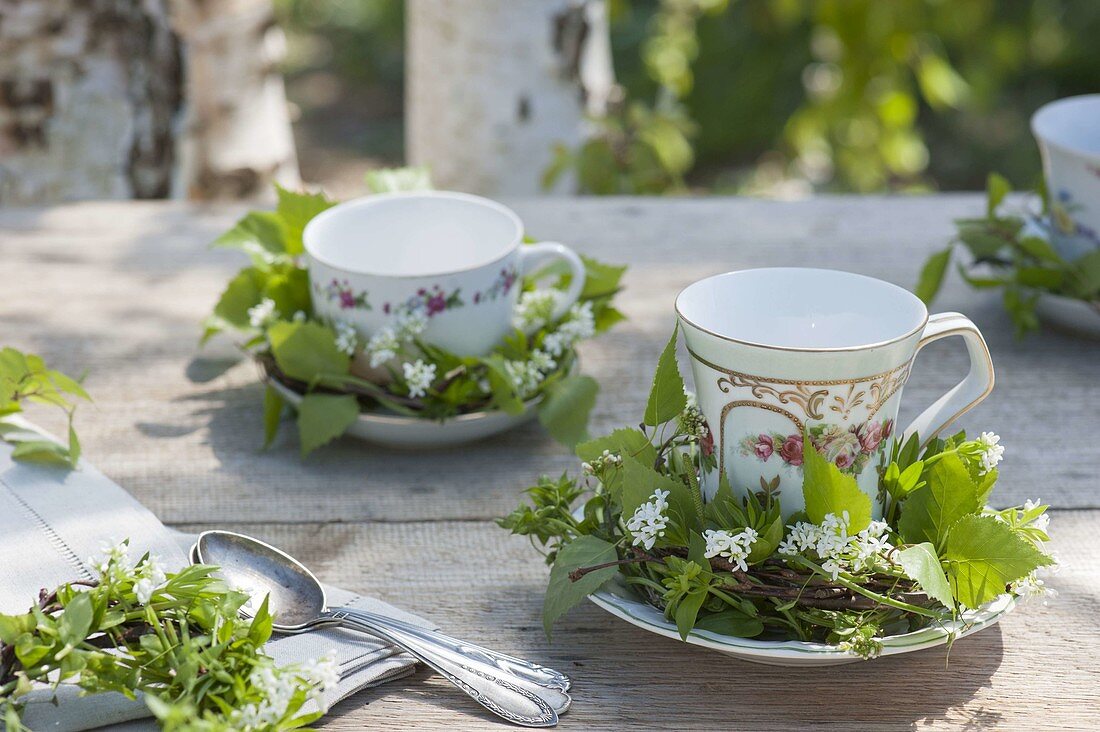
(1034, 670)
(117, 290)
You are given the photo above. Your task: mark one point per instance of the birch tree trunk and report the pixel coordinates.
(117, 99)
(493, 85)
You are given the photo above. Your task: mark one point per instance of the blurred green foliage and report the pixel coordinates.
(757, 95)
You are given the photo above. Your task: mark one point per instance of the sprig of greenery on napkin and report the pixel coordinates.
(176, 637)
(24, 377)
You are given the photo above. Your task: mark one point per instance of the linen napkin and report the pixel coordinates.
(54, 520)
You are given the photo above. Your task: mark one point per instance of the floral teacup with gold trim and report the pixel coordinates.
(451, 260)
(779, 353)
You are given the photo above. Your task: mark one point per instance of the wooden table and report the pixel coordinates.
(117, 290)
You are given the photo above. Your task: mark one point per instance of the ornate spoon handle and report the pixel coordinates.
(504, 697)
(534, 673)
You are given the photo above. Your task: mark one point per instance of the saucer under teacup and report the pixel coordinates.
(1065, 313)
(397, 430)
(619, 599)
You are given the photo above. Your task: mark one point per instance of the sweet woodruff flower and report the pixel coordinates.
(1041, 522)
(262, 314)
(1031, 586)
(419, 377)
(534, 309)
(382, 347)
(601, 461)
(992, 453)
(831, 544)
(649, 520)
(347, 340)
(734, 547)
(150, 579)
(324, 675)
(578, 324)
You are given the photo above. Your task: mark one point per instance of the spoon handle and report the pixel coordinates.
(536, 674)
(505, 698)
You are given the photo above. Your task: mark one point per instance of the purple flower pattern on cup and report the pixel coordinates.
(850, 449)
(340, 291)
(501, 286)
(427, 302)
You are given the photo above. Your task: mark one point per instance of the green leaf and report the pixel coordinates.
(562, 593)
(996, 187)
(13, 626)
(74, 446)
(947, 495)
(324, 417)
(259, 630)
(76, 620)
(503, 389)
(639, 483)
(606, 317)
(305, 350)
(243, 292)
(565, 408)
(273, 411)
(42, 451)
(1039, 248)
(732, 623)
(626, 441)
(666, 399)
(922, 565)
(827, 490)
(296, 209)
(687, 610)
(600, 279)
(931, 276)
(258, 232)
(984, 555)
(767, 541)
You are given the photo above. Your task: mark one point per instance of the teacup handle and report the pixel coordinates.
(967, 393)
(532, 256)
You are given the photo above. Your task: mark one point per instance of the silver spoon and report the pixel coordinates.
(536, 674)
(297, 602)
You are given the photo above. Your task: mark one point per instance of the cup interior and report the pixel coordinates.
(801, 309)
(1072, 123)
(413, 234)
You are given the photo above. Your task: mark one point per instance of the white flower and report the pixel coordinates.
(734, 547)
(262, 314)
(534, 309)
(300, 316)
(382, 347)
(598, 463)
(1032, 586)
(151, 578)
(1041, 522)
(543, 361)
(324, 675)
(992, 453)
(347, 340)
(419, 376)
(649, 521)
(277, 689)
(577, 325)
(832, 567)
(524, 375)
(114, 559)
(832, 545)
(410, 325)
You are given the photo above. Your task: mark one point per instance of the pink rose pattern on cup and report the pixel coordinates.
(849, 449)
(340, 291)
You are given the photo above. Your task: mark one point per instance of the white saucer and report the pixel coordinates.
(1075, 316)
(400, 431)
(617, 598)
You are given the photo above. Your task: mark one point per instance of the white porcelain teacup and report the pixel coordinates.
(777, 353)
(1068, 131)
(453, 258)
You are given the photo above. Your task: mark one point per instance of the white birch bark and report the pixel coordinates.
(140, 99)
(493, 85)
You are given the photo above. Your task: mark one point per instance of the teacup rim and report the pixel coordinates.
(377, 198)
(803, 349)
(1051, 107)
